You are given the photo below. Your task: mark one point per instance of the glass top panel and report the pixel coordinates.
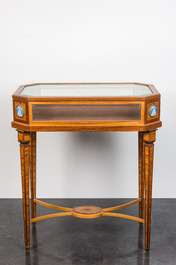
(86, 90)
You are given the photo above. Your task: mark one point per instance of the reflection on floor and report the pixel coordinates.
(105, 240)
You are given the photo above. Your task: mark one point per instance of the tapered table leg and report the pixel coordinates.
(33, 173)
(24, 139)
(141, 173)
(149, 139)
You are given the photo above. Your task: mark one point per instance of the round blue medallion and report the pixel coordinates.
(19, 111)
(153, 110)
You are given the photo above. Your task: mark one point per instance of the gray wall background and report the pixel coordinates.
(88, 41)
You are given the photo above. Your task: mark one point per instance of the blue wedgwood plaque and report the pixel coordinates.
(153, 110)
(19, 111)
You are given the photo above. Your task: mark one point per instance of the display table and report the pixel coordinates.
(86, 107)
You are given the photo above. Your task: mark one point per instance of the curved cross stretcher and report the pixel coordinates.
(88, 212)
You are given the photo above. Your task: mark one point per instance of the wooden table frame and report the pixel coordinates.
(27, 138)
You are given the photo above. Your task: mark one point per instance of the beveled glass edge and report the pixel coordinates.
(152, 88)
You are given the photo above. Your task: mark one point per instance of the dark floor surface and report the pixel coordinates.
(105, 240)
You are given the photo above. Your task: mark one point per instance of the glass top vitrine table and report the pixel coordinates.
(86, 107)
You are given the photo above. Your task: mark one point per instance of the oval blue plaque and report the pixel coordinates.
(153, 110)
(19, 111)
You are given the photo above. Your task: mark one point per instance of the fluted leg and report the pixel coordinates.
(33, 173)
(24, 139)
(149, 139)
(141, 173)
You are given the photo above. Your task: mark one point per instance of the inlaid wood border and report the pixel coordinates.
(85, 102)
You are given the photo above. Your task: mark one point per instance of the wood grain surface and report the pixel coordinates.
(149, 139)
(141, 172)
(24, 140)
(33, 172)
